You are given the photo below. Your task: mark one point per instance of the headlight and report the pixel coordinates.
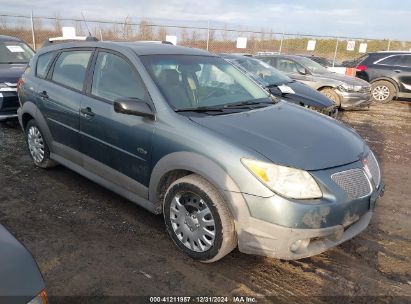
(41, 298)
(349, 88)
(286, 181)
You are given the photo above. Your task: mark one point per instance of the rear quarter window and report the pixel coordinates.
(43, 63)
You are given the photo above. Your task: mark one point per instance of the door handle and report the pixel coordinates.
(87, 112)
(397, 71)
(44, 95)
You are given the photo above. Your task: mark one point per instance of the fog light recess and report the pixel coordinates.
(299, 245)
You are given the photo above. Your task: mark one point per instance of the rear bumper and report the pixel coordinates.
(354, 100)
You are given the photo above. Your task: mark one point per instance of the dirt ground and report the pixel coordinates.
(89, 241)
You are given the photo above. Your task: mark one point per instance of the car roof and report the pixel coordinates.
(140, 48)
(386, 53)
(9, 38)
(233, 56)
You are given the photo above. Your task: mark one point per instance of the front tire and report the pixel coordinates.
(382, 91)
(37, 146)
(198, 219)
(331, 94)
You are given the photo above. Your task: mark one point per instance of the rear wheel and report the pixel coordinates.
(331, 94)
(198, 219)
(37, 146)
(382, 91)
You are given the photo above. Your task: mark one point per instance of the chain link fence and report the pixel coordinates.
(35, 30)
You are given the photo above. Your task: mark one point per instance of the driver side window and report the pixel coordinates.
(287, 65)
(115, 78)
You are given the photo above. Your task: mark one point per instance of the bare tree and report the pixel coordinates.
(145, 31)
(162, 33)
(57, 23)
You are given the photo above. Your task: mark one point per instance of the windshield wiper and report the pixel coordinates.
(200, 109)
(249, 104)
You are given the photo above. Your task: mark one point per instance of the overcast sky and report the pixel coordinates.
(352, 18)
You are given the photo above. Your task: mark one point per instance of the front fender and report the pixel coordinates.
(206, 168)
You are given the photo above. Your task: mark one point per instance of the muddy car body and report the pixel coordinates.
(182, 132)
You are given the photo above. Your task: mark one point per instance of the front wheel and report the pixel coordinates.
(331, 94)
(198, 219)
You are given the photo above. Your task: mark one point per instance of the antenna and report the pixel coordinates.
(85, 22)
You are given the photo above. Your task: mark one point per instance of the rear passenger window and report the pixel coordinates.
(391, 60)
(70, 69)
(43, 63)
(114, 78)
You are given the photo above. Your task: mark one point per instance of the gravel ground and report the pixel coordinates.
(90, 242)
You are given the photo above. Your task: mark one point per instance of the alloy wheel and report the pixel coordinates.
(380, 93)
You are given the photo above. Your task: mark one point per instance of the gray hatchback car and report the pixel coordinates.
(347, 92)
(182, 132)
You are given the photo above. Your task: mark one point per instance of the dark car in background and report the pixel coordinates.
(280, 85)
(20, 279)
(14, 57)
(347, 92)
(388, 72)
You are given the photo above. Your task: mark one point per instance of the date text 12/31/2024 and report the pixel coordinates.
(203, 299)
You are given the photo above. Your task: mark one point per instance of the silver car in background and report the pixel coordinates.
(347, 92)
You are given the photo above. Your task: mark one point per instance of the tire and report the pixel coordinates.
(382, 91)
(37, 146)
(331, 94)
(190, 205)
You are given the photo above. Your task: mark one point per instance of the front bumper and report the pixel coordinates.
(9, 103)
(354, 100)
(285, 229)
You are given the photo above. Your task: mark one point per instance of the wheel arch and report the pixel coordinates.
(30, 111)
(178, 164)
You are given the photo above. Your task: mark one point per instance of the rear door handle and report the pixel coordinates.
(44, 95)
(87, 112)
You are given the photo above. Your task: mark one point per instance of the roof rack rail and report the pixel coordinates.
(56, 40)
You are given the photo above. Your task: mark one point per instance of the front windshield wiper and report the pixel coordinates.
(249, 104)
(13, 62)
(200, 109)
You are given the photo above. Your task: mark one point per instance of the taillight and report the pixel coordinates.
(361, 68)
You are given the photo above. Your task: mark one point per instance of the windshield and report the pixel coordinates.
(15, 52)
(261, 71)
(312, 66)
(192, 82)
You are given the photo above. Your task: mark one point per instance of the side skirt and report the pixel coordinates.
(146, 204)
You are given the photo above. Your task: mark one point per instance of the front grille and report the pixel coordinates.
(374, 169)
(365, 89)
(354, 182)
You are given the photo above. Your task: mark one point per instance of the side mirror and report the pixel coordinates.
(133, 106)
(302, 70)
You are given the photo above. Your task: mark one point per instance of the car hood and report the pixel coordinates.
(343, 78)
(19, 273)
(303, 94)
(11, 72)
(290, 135)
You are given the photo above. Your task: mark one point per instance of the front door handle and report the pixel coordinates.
(87, 112)
(44, 95)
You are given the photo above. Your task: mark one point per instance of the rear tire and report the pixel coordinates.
(37, 146)
(331, 94)
(198, 219)
(382, 91)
